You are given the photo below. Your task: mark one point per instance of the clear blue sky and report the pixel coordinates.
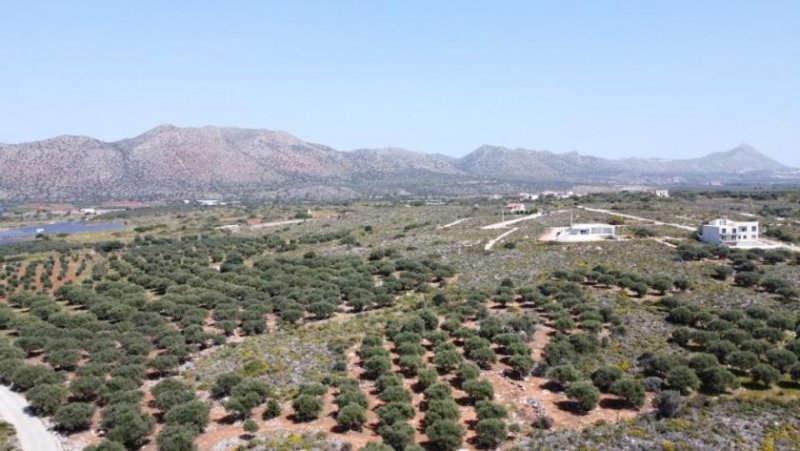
(626, 78)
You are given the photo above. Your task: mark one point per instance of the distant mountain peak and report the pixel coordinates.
(746, 149)
(165, 127)
(743, 158)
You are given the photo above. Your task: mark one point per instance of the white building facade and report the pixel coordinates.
(528, 196)
(730, 233)
(593, 230)
(515, 208)
(586, 232)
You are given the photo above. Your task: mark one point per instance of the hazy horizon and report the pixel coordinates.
(677, 80)
(466, 152)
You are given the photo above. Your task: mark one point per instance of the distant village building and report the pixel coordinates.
(124, 204)
(723, 231)
(643, 189)
(515, 208)
(558, 194)
(99, 211)
(528, 196)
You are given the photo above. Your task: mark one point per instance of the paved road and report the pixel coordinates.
(32, 434)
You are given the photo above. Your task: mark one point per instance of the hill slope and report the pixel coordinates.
(177, 162)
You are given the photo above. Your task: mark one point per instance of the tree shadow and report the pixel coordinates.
(755, 386)
(552, 386)
(364, 377)
(155, 375)
(464, 401)
(228, 419)
(297, 420)
(572, 407)
(614, 404)
(338, 429)
(513, 375)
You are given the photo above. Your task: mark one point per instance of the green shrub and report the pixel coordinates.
(683, 379)
(273, 409)
(604, 376)
(351, 416)
(75, 416)
(394, 412)
(445, 435)
(630, 390)
(564, 374)
(178, 438)
(307, 407)
(478, 390)
(765, 375)
(585, 393)
(397, 435)
(490, 433)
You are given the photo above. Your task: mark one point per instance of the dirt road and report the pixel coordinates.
(762, 242)
(447, 226)
(491, 243)
(639, 218)
(277, 223)
(504, 224)
(32, 434)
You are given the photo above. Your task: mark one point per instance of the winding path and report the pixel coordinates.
(447, 226)
(500, 225)
(491, 243)
(32, 433)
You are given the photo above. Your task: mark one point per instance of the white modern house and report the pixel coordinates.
(586, 232)
(593, 229)
(661, 192)
(730, 233)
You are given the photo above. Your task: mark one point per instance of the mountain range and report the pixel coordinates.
(171, 162)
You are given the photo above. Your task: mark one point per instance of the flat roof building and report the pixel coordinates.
(586, 232)
(592, 229)
(723, 231)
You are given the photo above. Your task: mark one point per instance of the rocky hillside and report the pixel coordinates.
(174, 162)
